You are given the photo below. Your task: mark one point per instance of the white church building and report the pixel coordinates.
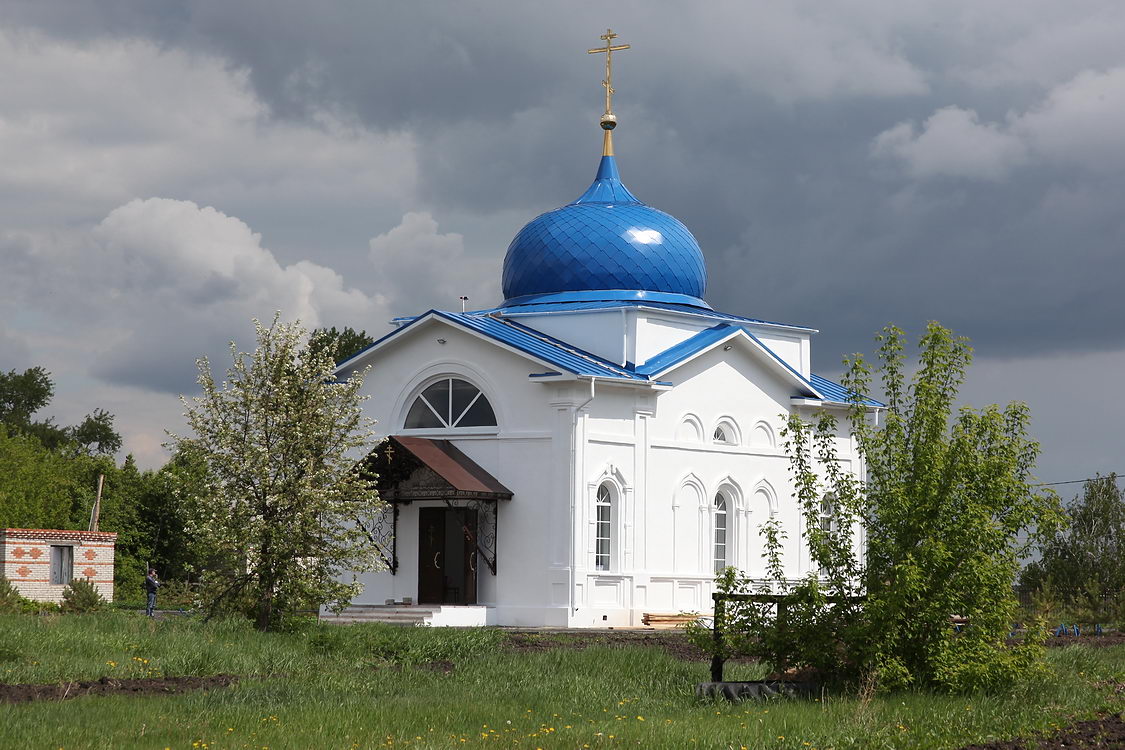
(597, 445)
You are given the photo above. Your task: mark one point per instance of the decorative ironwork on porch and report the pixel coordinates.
(410, 469)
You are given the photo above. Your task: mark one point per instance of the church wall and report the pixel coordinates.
(665, 560)
(604, 333)
(793, 348)
(524, 454)
(736, 390)
(656, 332)
(655, 448)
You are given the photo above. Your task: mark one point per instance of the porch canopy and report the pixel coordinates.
(414, 468)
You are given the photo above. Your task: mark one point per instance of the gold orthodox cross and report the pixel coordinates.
(609, 120)
(608, 49)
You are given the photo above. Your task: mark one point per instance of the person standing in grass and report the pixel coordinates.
(151, 585)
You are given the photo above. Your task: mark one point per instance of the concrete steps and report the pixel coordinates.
(437, 615)
(390, 614)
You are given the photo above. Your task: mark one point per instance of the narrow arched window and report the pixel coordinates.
(448, 403)
(720, 537)
(828, 513)
(720, 435)
(603, 528)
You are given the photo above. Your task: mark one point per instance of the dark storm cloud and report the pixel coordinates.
(843, 166)
(798, 220)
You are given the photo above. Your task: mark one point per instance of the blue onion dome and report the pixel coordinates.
(606, 245)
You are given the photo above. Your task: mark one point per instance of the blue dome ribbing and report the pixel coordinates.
(606, 245)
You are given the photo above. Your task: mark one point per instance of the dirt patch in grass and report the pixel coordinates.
(110, 686)
(1105, 732)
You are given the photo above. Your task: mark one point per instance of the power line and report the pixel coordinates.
(1120, 476)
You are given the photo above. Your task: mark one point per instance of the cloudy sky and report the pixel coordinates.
(169, 170)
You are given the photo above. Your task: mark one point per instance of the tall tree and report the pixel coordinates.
(946, 497)
(275, 503)
(22, 394)
(338, 344)
(38, 487)
(1088, 556)
(948, 500)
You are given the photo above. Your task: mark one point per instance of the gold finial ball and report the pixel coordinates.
(609, 121)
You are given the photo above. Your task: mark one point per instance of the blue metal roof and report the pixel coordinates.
(838, 393)
(540, 345)
(571, 359)
(687, 348)
(607, 242)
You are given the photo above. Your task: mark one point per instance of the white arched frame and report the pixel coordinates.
(607, 544)
(689, 429)
(434, 372)
(726, 432)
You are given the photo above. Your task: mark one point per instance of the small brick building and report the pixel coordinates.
(41, 562)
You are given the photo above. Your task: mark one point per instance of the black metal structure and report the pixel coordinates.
(781, 601)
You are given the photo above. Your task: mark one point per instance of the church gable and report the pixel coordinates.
(724, 338)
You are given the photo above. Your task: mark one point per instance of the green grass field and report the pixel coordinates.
(363, 687)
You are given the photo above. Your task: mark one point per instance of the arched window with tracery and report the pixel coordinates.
(721, 530)
(603, 527)
(449, 403)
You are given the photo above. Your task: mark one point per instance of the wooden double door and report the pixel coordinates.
(447, 556)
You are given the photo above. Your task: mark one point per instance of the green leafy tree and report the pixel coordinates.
(275, 501)
(339, 345)
(948, 500)
(95, 434)
(39, 488)
(1089, 554)
(946, 497)
(24, 394)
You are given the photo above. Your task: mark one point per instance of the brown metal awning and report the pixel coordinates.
(412, 468)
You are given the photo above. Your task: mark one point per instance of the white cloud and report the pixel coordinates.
(87, 127)
(172, 265)
(420, 268)
(953, 143)
(1079, 123)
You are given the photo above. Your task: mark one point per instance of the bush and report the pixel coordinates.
(81, 597)
(944, 501)
(10, 599)
(177, 595)
(12, 602)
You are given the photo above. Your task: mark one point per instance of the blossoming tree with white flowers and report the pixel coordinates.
(275, 492)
